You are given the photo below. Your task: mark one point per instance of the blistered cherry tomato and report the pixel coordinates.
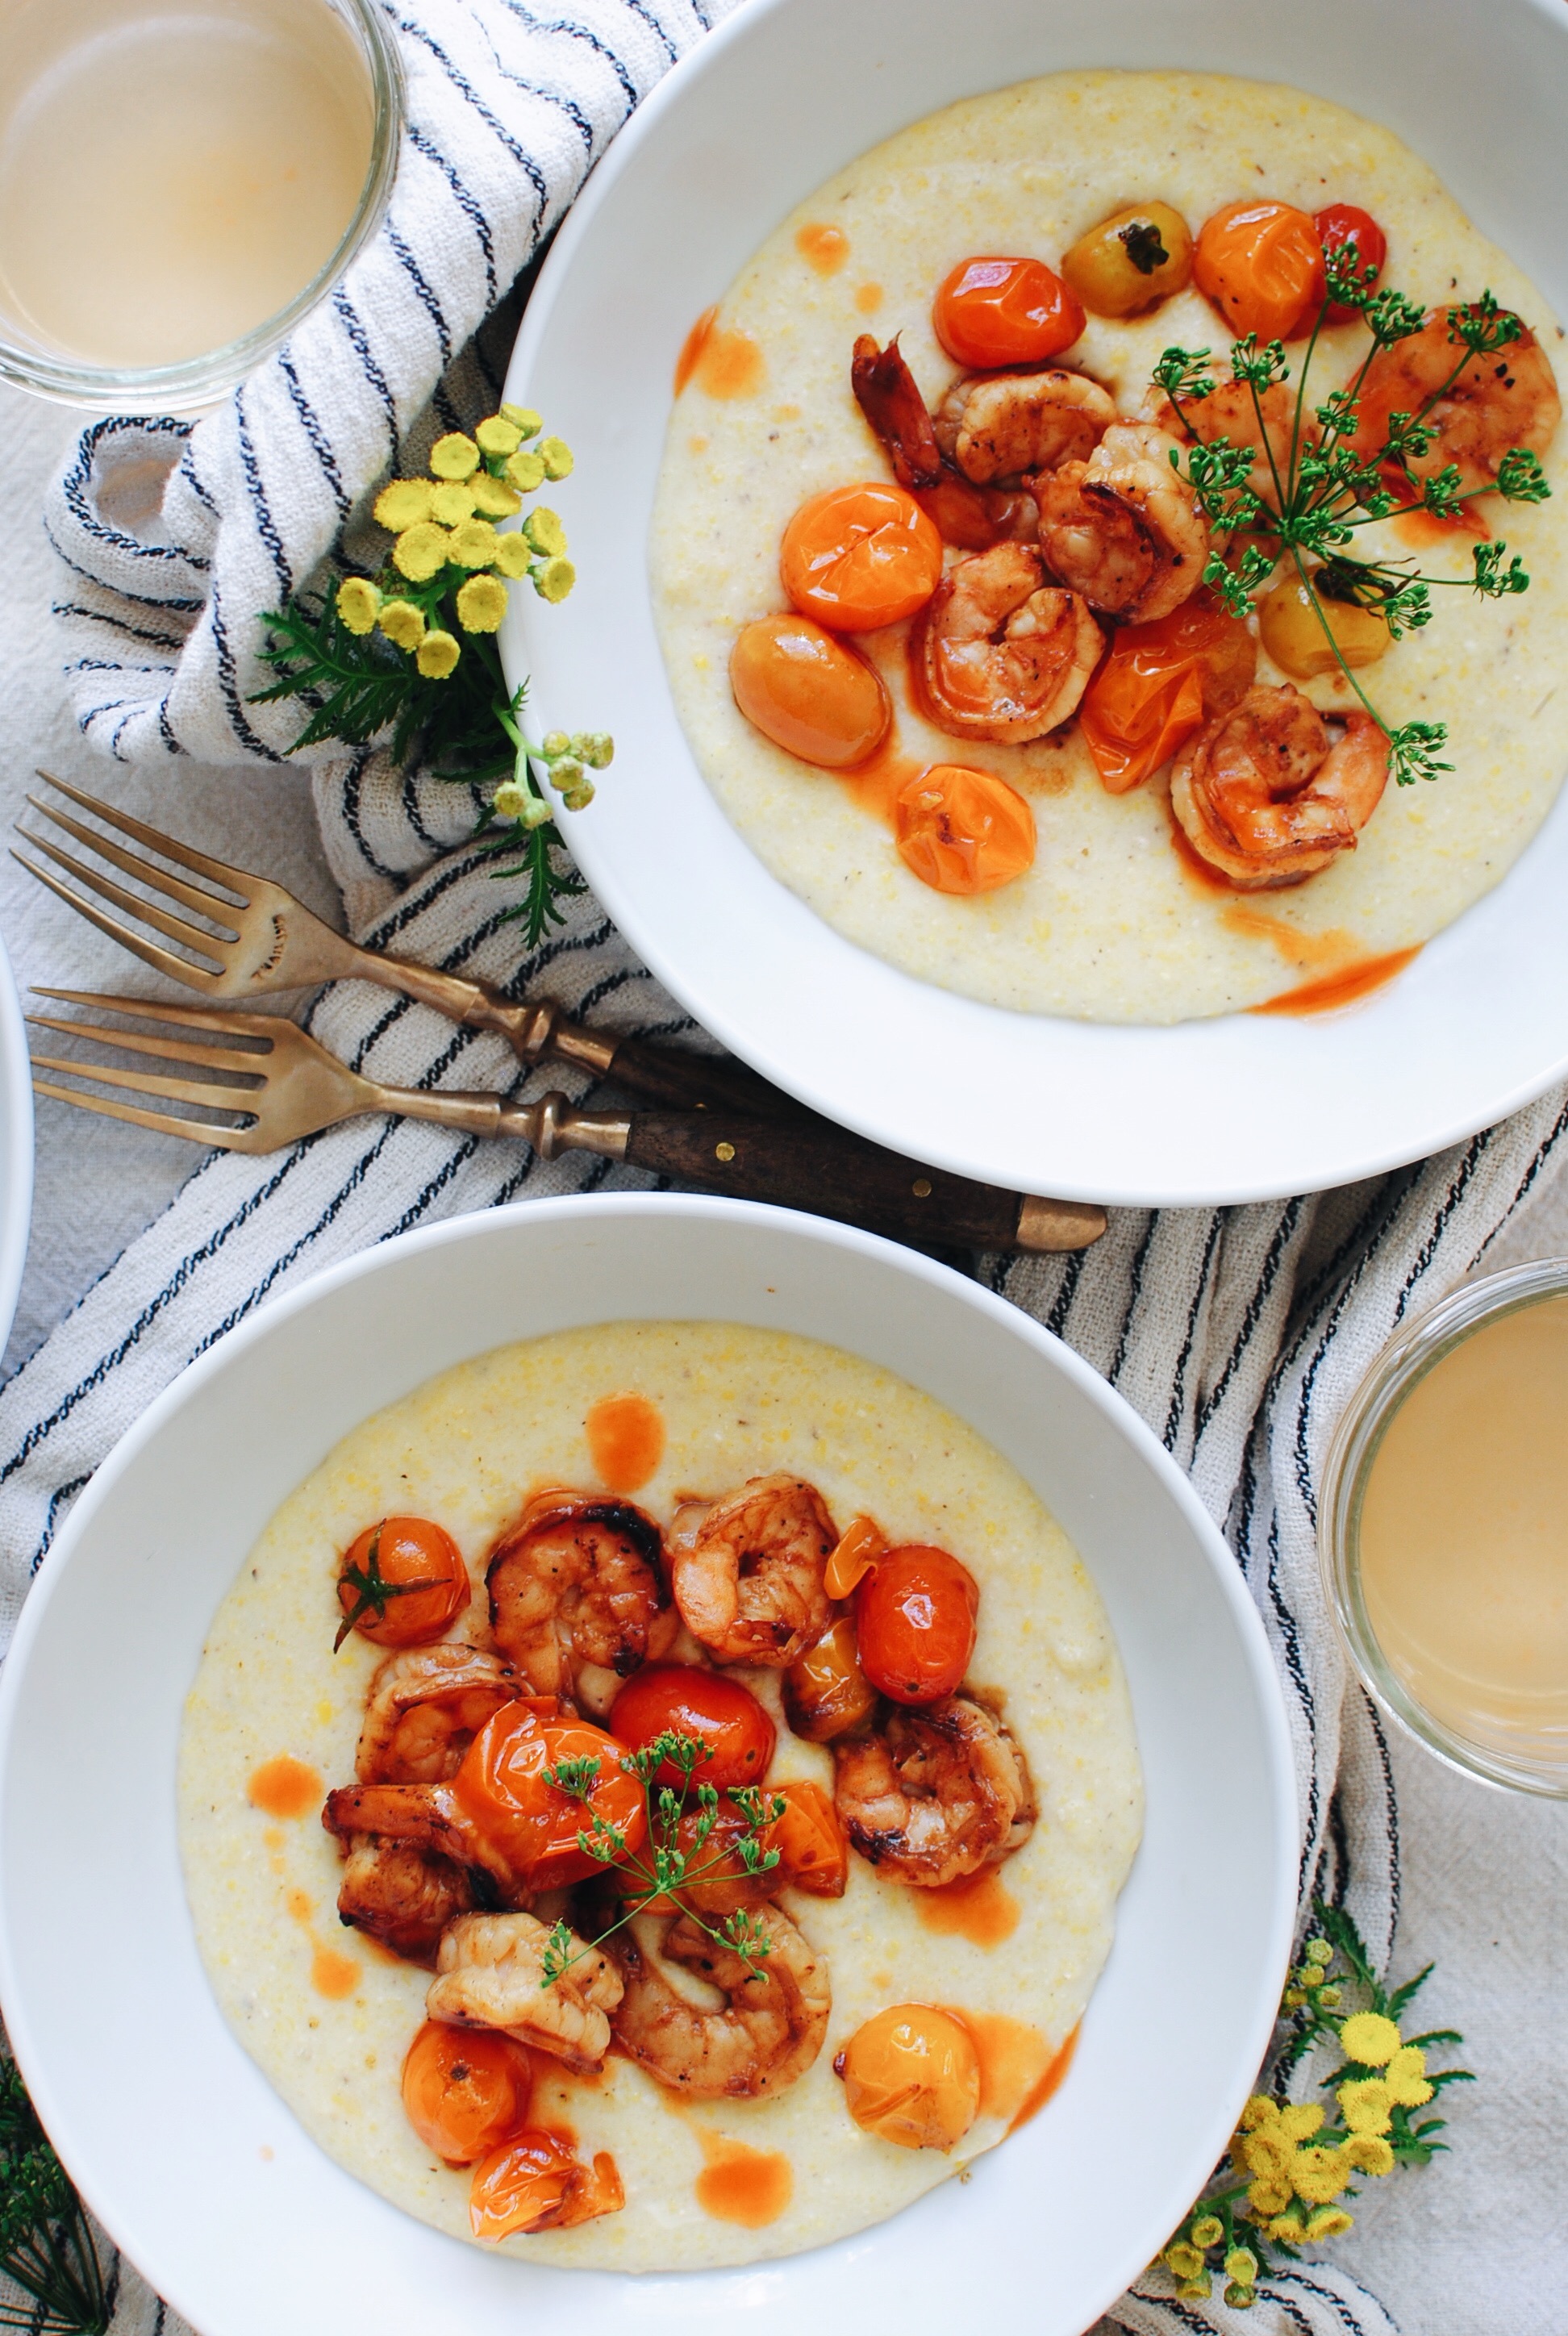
(1292, 631)
(536, 2181)
(715, 1851)
(666, 1698)
(915, 1623)
(1159, 683)
(1004, 312)
(813, 1852)
(855, 557)
(826, 1692)
(808, 693)
(501, 1787)
(1131, 260)
(912, 2075)
(402, 1583)
(464, 2089)
(1261, 265)
(1342, 223)
(962, 831)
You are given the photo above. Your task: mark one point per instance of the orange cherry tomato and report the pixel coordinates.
(912, 2075)
(719, 1711)
(464, 2089)
(1158, 683)
(855, 557)
(810, 1842)
(1261, 265)
(401, 1583)
(1005, 312)
(501, 1787)
(915, 1623)
(962, 831)
(537, 2182)
(808, 693)
(1342, 223)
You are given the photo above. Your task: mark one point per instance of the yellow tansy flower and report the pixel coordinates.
(526, 472)
(454, 456)
(1327, 2223)
(451, 504)
(1185, 2261)
(524, 420)
(401, 622)
(1365, 2103)
(555, 580)
(545, 532)
(420, 553)
(1319, 2174)
(1371, 2038)
(1287, 2227)
(1207, 2231)
(438, 654)
(357, 603)
(497, 435)
(1241, 2265)
(513, 555)
(404, 504)
(473, 543)
(494, 497)
(1270, 2197)
(557, 457)
(1369, 2153)
(1405, 2078)
(1194, 2291)
(481, 604)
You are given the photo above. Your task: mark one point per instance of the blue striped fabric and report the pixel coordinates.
(1237, 1333)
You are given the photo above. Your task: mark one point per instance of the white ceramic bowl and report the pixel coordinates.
(175, 2136)
(782, 95)
(15, 1147)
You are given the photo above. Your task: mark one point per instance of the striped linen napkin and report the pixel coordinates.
(1237, 1333)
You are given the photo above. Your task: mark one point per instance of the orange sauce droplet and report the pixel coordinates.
(1422, 528)
(692, 348)
(1013, 2057)
(300, 1904)
(742, 2184)
(875, 784)
(332, 1974)
(869, 299)
(1329, 952)
(1340, 988)
(976, 1907)
(284, 1787)
(825, 248)
(1035, 2100)
(626, 1439)
(729, 365)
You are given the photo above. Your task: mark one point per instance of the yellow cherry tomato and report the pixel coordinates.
(1293, 635)
(1131, 260)
(912, 2076)
(809, 693)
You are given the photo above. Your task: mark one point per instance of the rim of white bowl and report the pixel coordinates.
(16, 1159)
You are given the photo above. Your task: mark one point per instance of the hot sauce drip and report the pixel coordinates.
(625, 1440)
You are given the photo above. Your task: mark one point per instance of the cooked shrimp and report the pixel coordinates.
(748, 1572)
(972, 517)
(1262, 796)
(1507, 399)
(767, 2032)
(576, 1597)
(935, 1792)
(429, 1819)
(1123, 529)
(490, 1973)
(425, 1709)
(401, 1895)
(1229, 413)
(1001, 425)
(998, 653)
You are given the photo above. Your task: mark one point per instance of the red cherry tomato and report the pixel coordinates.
(915, 1623)
(1343, 223)
(674, 1696)
(503, 1787)
(401, 1583)
(1003, 312)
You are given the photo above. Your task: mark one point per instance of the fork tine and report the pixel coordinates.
(242, 1099)
(206, 904)
(162, 1009)
(161, 960)
(169, 1050)
(226, 1139)
(204, 944)
(201, 863)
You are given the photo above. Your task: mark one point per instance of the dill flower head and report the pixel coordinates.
(455, 456)
(554, 580)
(481, 604)
(545, 532)
(512, 556)
(557, 457)
(451, 502)
(1365, 2104)
(420, 551)
(492, 498)
(473, 544)
(438, 656)
(1371, 2038)
(402, 623)
(404, 504)
(357, 603)
(526, 472)
(497, 435)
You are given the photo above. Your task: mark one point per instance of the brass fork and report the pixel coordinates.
(267, 940)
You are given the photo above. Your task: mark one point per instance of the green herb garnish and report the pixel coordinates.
(45, 2246)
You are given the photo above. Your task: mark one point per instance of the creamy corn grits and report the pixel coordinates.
(467, 1449)
(1107, 925)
